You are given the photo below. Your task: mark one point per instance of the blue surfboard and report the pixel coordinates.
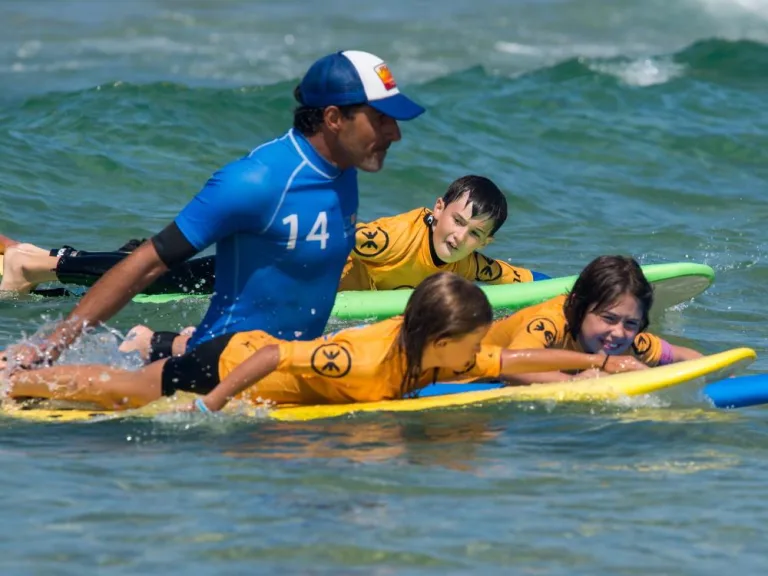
(739, 392)
(443, 388)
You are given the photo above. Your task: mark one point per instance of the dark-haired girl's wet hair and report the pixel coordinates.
(601, 284)
(444, 305)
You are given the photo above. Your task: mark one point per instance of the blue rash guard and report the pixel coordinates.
(283, 221)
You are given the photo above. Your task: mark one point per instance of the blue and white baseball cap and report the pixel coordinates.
(354, 77)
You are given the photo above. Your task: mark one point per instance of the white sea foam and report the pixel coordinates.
(644, 72)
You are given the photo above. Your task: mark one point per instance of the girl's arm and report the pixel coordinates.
(515, 362)
(671, 353)
(258, 366)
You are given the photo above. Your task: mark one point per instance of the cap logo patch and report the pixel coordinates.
(382, 71)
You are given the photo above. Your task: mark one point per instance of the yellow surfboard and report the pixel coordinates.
(607, 388)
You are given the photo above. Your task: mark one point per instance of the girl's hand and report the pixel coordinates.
(618, 364)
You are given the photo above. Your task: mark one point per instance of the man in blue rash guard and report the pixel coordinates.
(282, 218)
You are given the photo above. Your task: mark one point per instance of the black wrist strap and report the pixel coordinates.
(161, 345)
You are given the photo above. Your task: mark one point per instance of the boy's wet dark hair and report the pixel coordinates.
(487, 199)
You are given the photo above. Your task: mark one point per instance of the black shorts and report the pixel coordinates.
(196, 371)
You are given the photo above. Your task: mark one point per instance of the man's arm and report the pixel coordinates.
(111, 293)
(239, 196)
(114, 290)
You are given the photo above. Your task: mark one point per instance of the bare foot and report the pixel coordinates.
(6, 243)
(138, 339)
(188, 331)
(26, 266)
(180, 342)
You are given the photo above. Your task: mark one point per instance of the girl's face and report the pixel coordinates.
(459, 353)
(614, 329)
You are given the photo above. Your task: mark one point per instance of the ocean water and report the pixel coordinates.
(632, 127)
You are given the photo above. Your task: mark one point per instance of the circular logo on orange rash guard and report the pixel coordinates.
(370, 241)
(331, 360)
(641, 344)
(544, 327)
(488, 269)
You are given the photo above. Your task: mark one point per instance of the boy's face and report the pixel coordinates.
(455, 233)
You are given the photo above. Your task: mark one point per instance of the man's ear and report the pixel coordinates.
(333, 118)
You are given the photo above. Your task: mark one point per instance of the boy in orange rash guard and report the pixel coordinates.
(400, 251)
